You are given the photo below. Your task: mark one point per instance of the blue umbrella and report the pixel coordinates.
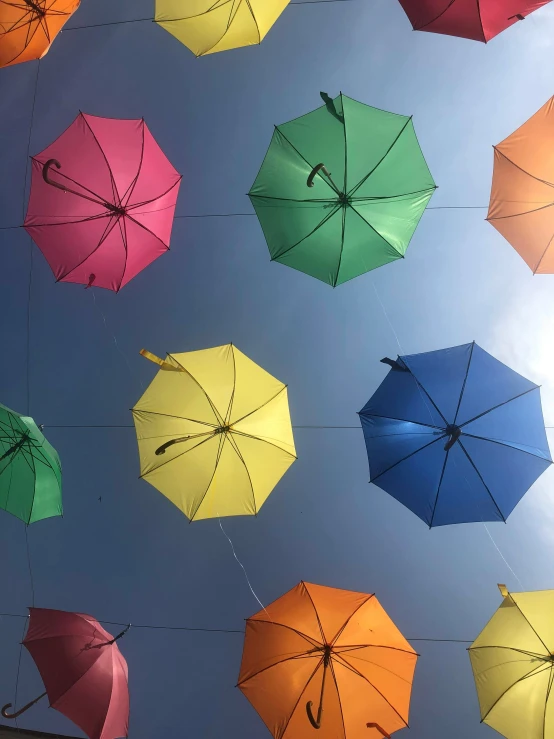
(455, 435)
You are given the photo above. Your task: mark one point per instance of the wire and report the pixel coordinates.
(131, 426)
(29, 563)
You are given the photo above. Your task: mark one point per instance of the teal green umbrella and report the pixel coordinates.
(30, 470)
(341, 190)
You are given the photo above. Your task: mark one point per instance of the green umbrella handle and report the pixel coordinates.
(318, 167)
(376, 726)
(5, 713)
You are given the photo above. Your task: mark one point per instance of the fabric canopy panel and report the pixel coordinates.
(479, 20)
(455, 435)
(341, 190)
(30, 470)
(208, 26)
(214, 432)
(330, 658)
(28, 27)
(513, 666)
(522, 193)
(102, 201)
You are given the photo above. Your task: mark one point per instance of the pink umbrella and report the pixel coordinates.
(102, 201)
(84, 673)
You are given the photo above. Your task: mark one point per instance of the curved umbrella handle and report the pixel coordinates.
(376, 726)
(315, 723)
(45, 176)
(104, 203)
(455, 434)
(5, 713)
(318, 167)
(162, 449)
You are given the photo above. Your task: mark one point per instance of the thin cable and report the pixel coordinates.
(131, 426)
(29, 564)
(387, 316)
(240, 563)
(502, 556)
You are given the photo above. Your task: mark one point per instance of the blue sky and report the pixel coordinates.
(134, 557)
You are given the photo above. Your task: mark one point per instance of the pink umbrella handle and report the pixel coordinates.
(46, 177)
(5, 713)
(376, 726)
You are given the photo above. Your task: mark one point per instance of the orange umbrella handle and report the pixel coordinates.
(5, 713)
(376, 726)
(316, 722)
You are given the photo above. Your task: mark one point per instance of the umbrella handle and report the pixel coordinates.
(117, 210)
(518, 16)
(394, 364)
(318, 167)
(376, 726)
(5, 713)
(316, 723)
(162, 449)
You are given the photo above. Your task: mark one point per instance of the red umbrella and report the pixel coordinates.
(84, 673)
(479, 20)
(102, 201)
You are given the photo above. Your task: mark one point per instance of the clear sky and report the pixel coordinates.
(133, 556)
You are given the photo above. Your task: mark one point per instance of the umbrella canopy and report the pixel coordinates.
(207, 26)
(331, 652)
(479, 20)
(214, 432)
(28, 27)
(30, 470)
(513, 666)
(83, 671)
(341, 190)
(522, 191)
(455, 435)
(102, 201)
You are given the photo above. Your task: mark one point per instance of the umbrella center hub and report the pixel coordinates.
(453, 431)
(343, 198)
(117, 210)
(222, 429)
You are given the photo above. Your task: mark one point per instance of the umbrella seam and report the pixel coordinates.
(333, 641)
(221, 444)
(505, 402)
(508, 445)
(323, 637)
(439, 488)
(465, 382)
(372, 480)
(482, 481)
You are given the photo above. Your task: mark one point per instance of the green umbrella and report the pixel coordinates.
(341, 190)
(30, 470)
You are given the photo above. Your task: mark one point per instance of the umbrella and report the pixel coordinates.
(513, 666)
(455, 435)
(479, 20)
(341, 190)
(28, 27)
(214, 432)
(30, 470)
(330, 658)
(102, 201)
(207, 26)
(84, 673)
(522, 190)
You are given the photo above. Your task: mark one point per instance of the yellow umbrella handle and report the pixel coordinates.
(376, 726)
(5, 713)
(164, 365)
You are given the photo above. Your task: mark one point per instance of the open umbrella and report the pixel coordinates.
(28, 27)
(102, 201)
(341, 190)
(455, 435)
(84, 673)
(513, 666)
(330, 658)
(30, 470)
(214, 432)
(522, 193)
(207, 26)
(479, 20)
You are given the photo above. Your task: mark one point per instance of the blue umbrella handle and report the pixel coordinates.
(5, 713)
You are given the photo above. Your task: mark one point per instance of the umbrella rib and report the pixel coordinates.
(464, 383)
(355, 647)
(311, 166)
(115, 192)
(216, 413)
(439, 488)
(229, 22)
(309, 639)
(107, 231)
(155, 199)
(345, 624)
(252, 195)
(435, 406)
(350, 667)
(321, 223)
(406, 195)
(338, 697)
(234, 445)
(549, 688)
(533, 673)
(507, 445)
(543, 255)
(402, 420)
(510, 649)
(324, 640)
(173, 459)
(232, 396)
(101, 201)
(534, 177)
(523, 213)
(179, 418)
(530, 625)
(482, 481)
(505, 402)
(381, 667)
(407, 457)
(129, 192)
(286, 726)
(480, 20)
(27, 40)
(138, 223)
(375, 231)
(301, 655)
(428, 23)
(341, 246)
(221, 444)
(123, 232)
(364, 179)
(263, 440)
(267, 402)
(255, 21)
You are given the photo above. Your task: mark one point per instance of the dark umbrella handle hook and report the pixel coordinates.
(376, 726)
(5, 713)
(315, 723)
(318, 167)
(46, 177)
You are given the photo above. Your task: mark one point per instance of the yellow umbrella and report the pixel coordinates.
(214, 432)
(207, 26)
(513, 666)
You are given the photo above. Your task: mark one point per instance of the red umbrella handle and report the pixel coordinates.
(376, 726)
(5, 713)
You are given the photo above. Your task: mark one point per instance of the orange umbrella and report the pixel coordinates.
(522, 193)
(327, 657)
(28, 27)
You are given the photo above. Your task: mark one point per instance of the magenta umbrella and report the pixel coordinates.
(102, 201)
